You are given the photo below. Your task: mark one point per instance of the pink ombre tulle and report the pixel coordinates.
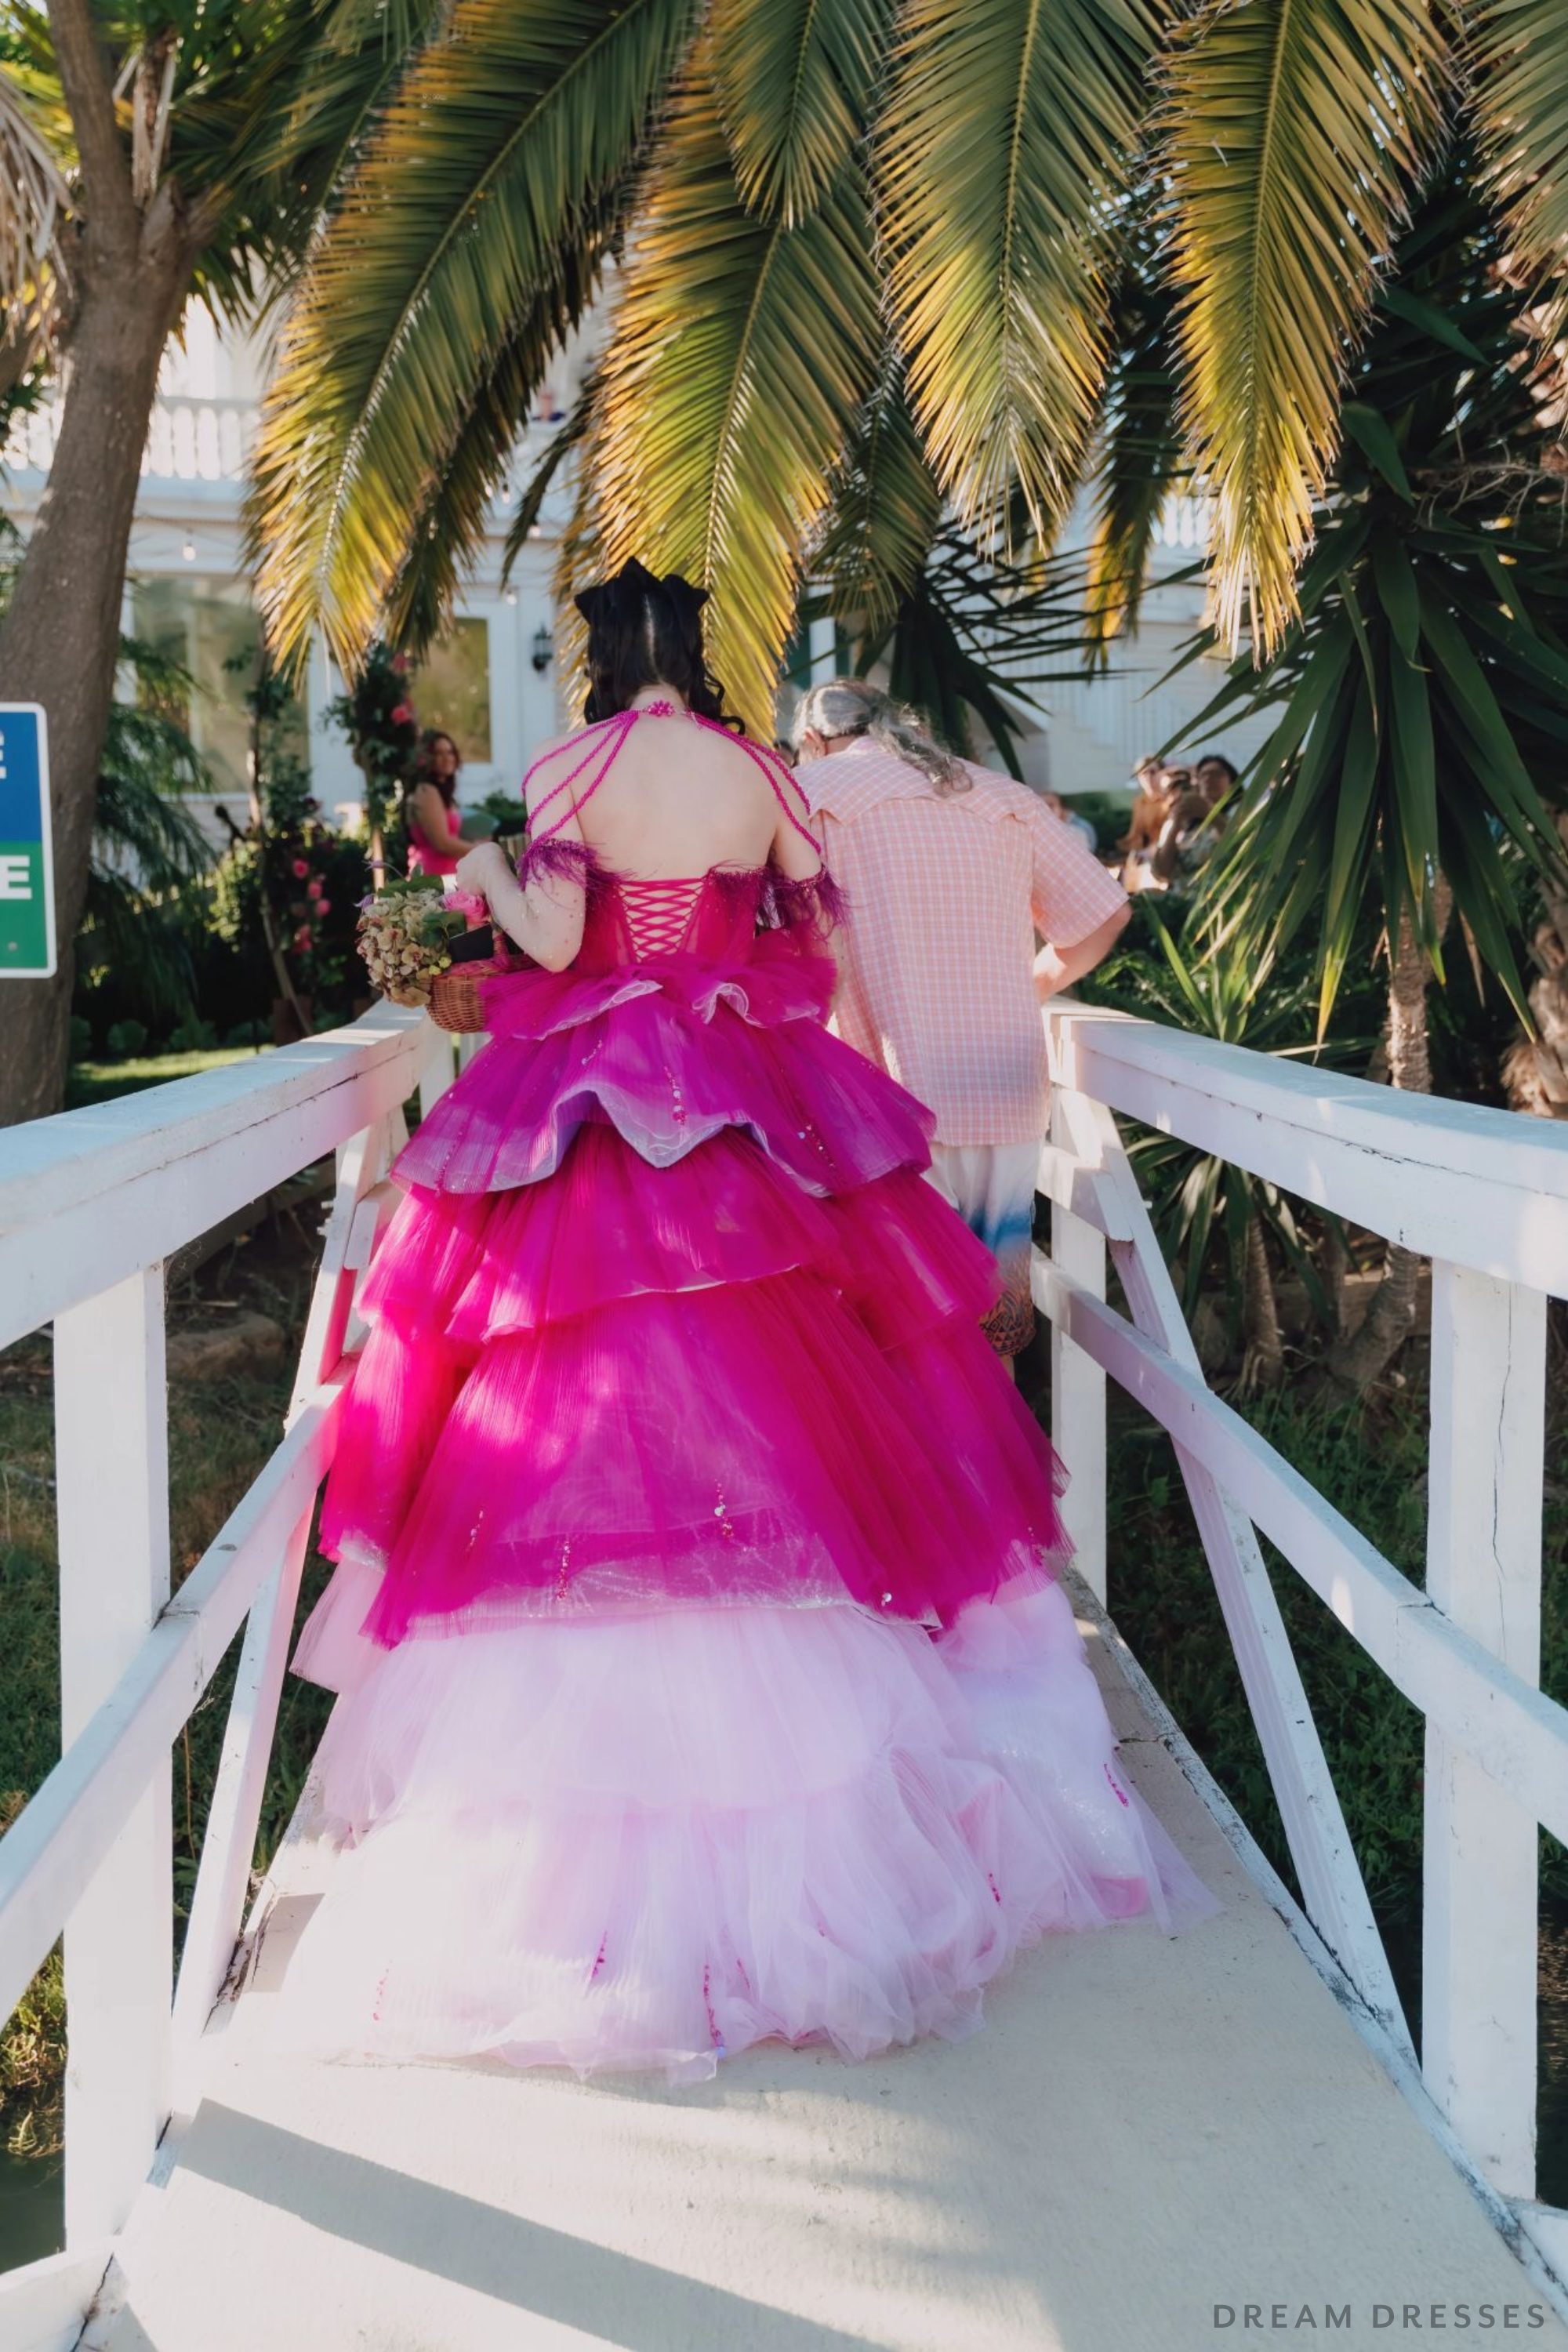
(674, 1442)
(651, 1841)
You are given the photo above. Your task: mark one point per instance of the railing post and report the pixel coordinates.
(223, 1879)
(112, 1475)
(439, 1072)
(1078, 1384)
(1483, 1570)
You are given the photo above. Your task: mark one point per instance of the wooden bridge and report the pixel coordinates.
(1156, 2145)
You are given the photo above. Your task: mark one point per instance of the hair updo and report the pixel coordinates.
(646, 632)
(847, 706)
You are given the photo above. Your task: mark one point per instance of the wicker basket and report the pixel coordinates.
(454, 1001)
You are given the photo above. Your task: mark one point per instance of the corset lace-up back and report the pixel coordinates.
(658, 912)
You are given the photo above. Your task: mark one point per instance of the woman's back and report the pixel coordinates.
(677, 799)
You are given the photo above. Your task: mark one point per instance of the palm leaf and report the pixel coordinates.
(564, 442)
(449, 529)
(1006, 133)
(793, 78)
(1139, 457)
(1293, 128)
(34, 207)
(884, 512)
(484, 182)
(714, 440)
(1519, 51)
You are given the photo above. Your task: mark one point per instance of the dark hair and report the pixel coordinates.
(647, 632)
(1216, 760)
(425, 764)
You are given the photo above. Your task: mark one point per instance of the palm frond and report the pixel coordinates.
(487, 169)
(325, 87)
(715, 434)
(975, 640)
(35, 206)
(450, 527)
(884, 510)
(794, 78)
(1140, 460)
(1294, 128)
(567, 437)
(1005, 136)
(1519, 56)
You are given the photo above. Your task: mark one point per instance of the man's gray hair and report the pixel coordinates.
(847, 706)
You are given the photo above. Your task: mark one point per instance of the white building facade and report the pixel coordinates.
(494, 684)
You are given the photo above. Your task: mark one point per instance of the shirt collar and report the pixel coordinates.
(847, 783)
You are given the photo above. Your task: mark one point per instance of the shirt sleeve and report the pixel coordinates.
(1071, 892)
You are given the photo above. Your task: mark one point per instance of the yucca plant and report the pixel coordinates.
(1221, 1227)
(731, 158)
(1422, 695)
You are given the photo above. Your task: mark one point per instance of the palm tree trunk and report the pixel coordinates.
(1263, 1356)
(59, 642)
(1359, 1358)
(1536, 1070)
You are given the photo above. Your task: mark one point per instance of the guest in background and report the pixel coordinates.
(1195, 824)
(436, 838)
(1149, 810)
(949, 872)
(1073, 823)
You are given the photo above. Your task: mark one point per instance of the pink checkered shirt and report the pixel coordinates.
(946, 894)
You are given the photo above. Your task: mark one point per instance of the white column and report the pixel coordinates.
(112, 1473)
(1077, 1385)
(822, 648)
(1483, 1570)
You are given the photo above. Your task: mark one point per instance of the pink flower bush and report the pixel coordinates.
(400, 665)
(314, 886)
(323, 906)
(302, 940)
(403, 715)
(301, 869)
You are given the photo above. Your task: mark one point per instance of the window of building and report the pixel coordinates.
(209, 628)
(452, 688)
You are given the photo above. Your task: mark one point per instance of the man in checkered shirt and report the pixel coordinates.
(951, 873)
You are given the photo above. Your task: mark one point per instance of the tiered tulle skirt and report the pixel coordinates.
(705, 1679)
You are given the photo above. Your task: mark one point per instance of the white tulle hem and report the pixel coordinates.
(651, 1841)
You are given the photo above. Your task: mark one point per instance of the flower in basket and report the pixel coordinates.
(406, 935)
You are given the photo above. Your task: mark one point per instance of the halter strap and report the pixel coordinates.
(772, 766)
(610, 735)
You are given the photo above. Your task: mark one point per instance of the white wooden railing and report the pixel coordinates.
(91, 1207)
(1484, 1194)
(93, 1203)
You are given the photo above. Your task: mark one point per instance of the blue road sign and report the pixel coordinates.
(26, 860)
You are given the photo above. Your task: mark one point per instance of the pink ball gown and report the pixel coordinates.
(705, 1677)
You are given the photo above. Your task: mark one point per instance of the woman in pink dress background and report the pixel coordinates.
(706, 1678)
(435, 836)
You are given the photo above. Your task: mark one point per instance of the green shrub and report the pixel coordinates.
(192, 1037)
(125, 1038)
(81, 1038)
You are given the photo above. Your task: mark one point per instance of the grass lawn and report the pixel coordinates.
(97, 1082)
(220, 1436)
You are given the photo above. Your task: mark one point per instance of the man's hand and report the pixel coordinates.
(1057, 968)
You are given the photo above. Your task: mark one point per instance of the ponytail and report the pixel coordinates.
(847, 706)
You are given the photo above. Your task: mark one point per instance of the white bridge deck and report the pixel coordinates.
(1156, 2146)
(1148, 2127)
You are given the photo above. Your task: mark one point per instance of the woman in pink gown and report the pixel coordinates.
(705, 1677)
